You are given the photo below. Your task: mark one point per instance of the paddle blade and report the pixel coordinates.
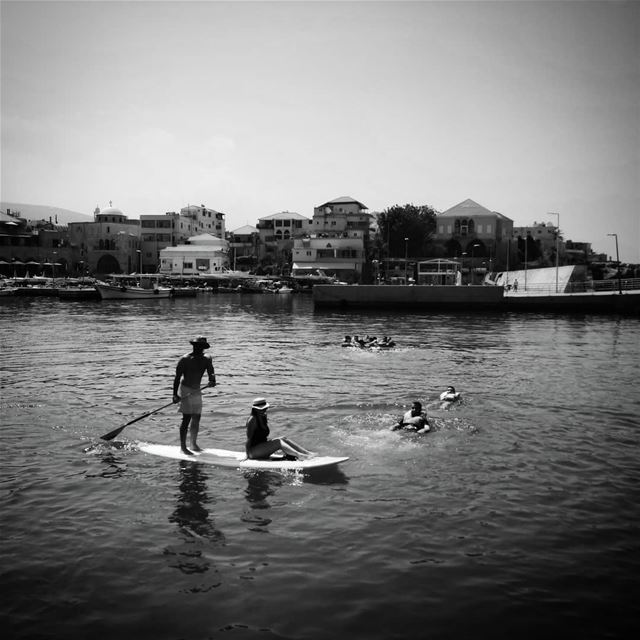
(112, 434)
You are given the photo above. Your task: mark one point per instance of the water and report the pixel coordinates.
(517, 516)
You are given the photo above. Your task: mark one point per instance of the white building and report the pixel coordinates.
(204, 254)
(337, 241)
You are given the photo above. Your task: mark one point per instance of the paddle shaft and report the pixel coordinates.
(112, 434)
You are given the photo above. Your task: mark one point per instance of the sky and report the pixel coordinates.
(253, 108)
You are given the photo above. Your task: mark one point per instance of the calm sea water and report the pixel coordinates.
(517, 516)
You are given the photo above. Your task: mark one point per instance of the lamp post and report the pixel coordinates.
(472, 260)
(406, 258)
(139, 261)
(615, 235)
(552, 213)
(53, 267)
(376, 271)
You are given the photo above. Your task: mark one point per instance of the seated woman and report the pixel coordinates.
(413, 420)
(258, 445)
(450, 395)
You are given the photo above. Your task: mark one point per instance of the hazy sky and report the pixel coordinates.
(258, 107)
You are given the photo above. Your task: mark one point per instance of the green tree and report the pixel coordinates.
(417, 223)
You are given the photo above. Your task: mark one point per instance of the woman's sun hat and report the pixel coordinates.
(260, 404)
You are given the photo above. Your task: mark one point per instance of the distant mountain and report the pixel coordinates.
(43, 212)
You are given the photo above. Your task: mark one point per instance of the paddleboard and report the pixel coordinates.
(238, 459)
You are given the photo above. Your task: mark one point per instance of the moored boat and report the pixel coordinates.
(79, 293)
(184, 292)
(124, 292)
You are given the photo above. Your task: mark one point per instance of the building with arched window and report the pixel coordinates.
(475, 235)
(109, 244)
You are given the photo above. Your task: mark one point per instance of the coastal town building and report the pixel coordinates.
(336, 242)
(159, 231)
(540, 240)
(278, 233)
(203, 254)
(244, 244)
(478, 237)
(33, 247)
(109, 244)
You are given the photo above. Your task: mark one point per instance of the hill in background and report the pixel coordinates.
(36, 212)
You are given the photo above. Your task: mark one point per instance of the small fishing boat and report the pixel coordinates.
(78, 293)
(184, 292)
(125, 292)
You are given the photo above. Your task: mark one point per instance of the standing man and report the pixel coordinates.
(190, 369)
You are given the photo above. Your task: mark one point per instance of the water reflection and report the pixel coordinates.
(194, 522)
(260, 486)
(112, 465)
(191, 515)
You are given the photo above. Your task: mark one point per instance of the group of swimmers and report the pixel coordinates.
(416, 420)
(368, 342)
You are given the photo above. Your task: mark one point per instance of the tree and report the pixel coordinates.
(417, 223)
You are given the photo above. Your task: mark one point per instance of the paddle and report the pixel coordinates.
(112, 434)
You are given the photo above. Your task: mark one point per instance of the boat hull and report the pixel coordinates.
(119, 292)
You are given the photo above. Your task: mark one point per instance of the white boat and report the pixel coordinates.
(126, 292)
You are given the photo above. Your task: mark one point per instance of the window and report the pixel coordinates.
(479, 228)
(488, 228)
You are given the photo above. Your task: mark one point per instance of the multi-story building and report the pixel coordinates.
(540, 240)
(243, 248)
(475, 235)
(337, 240)
(109, 244)
(161, 231)
(278, 233)
(205, 220)
(171, 229)
(29, 248)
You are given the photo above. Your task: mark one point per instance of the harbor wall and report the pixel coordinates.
(470, 299)
(409, 297)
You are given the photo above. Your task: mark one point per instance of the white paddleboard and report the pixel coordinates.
(237, 459)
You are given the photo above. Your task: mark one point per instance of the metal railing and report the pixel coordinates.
(591, 286)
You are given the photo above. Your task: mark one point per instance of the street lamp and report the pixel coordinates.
(551, 213)
(53, 267)
(406, 258)
(139, 261)
(618, 261)
(473, 258)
